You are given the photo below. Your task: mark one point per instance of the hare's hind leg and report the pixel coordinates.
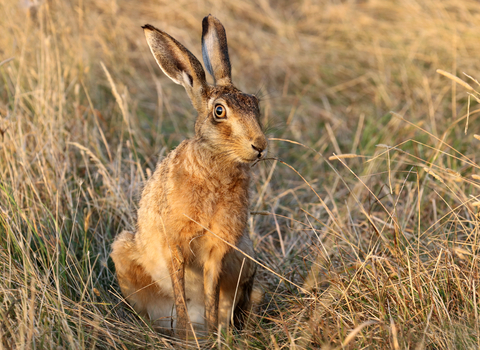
(236, 284)
(137, 286)
(244, 304)
(235, 294)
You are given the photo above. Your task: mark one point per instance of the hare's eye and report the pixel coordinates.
(219, 111)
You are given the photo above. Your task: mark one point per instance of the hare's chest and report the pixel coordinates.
(204, 199)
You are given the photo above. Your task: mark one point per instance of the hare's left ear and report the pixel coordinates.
(215, 51)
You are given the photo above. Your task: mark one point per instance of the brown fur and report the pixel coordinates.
(173, 266)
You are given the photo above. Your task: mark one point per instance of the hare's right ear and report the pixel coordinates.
(177, 63)
(215, 51)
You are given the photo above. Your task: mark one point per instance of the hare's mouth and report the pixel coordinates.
(252, 159)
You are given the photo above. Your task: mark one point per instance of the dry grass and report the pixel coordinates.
(385, 246)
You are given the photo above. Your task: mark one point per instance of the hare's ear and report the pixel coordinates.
(177, 63)
(215, 50)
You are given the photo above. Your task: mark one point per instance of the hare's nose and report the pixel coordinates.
(259, 150)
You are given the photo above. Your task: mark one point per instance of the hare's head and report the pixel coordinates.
(228, 119)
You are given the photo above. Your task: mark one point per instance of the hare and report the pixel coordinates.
(179, 268)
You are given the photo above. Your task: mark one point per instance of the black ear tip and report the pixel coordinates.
(148, 26)
(205, 25)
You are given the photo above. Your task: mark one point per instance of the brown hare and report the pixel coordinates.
(177, 269)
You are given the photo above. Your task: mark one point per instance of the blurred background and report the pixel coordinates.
(383, 239)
